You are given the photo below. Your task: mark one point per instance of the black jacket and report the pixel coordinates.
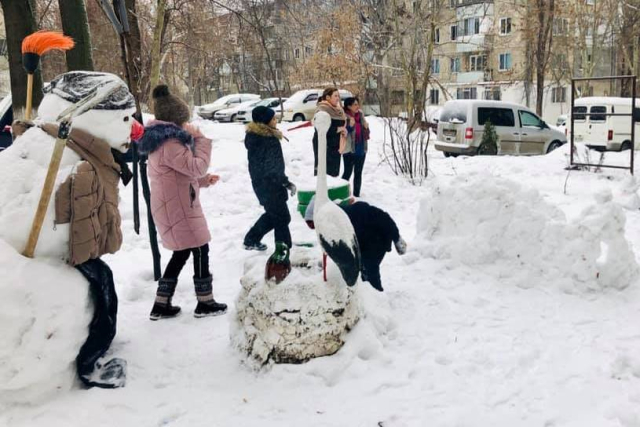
(266, 163)
(333, 148)
(375, 229)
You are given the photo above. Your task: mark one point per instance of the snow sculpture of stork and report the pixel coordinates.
(333, 227)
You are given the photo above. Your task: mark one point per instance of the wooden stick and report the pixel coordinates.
(27, 113)
(45, 196)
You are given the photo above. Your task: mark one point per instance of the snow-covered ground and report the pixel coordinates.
(529, 318)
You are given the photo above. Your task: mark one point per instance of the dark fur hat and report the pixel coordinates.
(168, 107)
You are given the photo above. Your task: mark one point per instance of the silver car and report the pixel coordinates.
(520, 131)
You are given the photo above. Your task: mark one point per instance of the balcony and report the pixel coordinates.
(474, 43)
(470, 77)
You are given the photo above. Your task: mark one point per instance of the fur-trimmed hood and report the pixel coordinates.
(157, 133)
(266, 131)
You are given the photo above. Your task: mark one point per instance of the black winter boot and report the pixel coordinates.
(162, 308)
(207, 306)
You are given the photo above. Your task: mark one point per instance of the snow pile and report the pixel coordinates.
(44, 313)
(513, 234)
(296, 320)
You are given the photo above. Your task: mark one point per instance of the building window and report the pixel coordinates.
(452, 4)
(558, 94)
(470, 26)
(505, 26)
(296, 53)
(505, 61)
(492, 94)
(437, 35)
(397, 97)
(560, 26)
(454, 65)
(434, 97)
(454, 32)
(435, 66)
(477, 62)
(308, 51)
(3, 47)
(467, 93)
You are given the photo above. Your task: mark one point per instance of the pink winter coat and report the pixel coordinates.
(178, 164)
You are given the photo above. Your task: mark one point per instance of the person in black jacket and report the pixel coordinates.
(329, 103)
(266, 167)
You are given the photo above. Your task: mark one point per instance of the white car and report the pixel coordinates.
(244, 115)
(302, 104)
(230, 114)
(208, 111)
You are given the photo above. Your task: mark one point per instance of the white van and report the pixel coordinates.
(520, 131)
(301, 105)
(595, 128)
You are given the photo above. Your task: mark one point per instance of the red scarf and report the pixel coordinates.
(358, 125)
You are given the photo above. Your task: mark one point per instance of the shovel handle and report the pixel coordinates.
(45, 196)
(27, 112)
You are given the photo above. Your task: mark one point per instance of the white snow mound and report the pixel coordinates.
(503, 229)
(296, 320)
(44, 313)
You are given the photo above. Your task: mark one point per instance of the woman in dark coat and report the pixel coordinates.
(329, 102)
(266, 167)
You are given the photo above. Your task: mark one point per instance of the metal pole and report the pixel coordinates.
(633, 124)
(572, 119)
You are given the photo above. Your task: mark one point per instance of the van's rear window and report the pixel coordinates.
(579, 113)
(596, 116)
(454, 112)
(497, 116)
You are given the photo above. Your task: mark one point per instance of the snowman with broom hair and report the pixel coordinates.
(58, 216)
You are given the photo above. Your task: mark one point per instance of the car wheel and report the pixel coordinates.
(625, 146)
(487, 150)
(553, 146)
(447, 154)
(299, 118)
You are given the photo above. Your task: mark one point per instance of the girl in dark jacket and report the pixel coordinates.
(266, 167)
(355, 150)
(329, 102)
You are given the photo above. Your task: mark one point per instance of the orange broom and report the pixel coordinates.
(33, 47)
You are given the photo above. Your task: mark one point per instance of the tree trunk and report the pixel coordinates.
(134, 52)
(76, 25)
(156, 47)
(19, 18)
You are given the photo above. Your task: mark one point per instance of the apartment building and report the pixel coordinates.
(480, 53)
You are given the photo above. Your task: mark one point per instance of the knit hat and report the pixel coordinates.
(262, 115)
(168, 107)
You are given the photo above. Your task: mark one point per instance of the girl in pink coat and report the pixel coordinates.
(179, 157)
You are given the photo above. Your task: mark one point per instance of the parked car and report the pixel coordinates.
(520, 131)
(244, 114)
(208, 111)
(301, 105)
(230, 114)
(6, 118)
(597, 129)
